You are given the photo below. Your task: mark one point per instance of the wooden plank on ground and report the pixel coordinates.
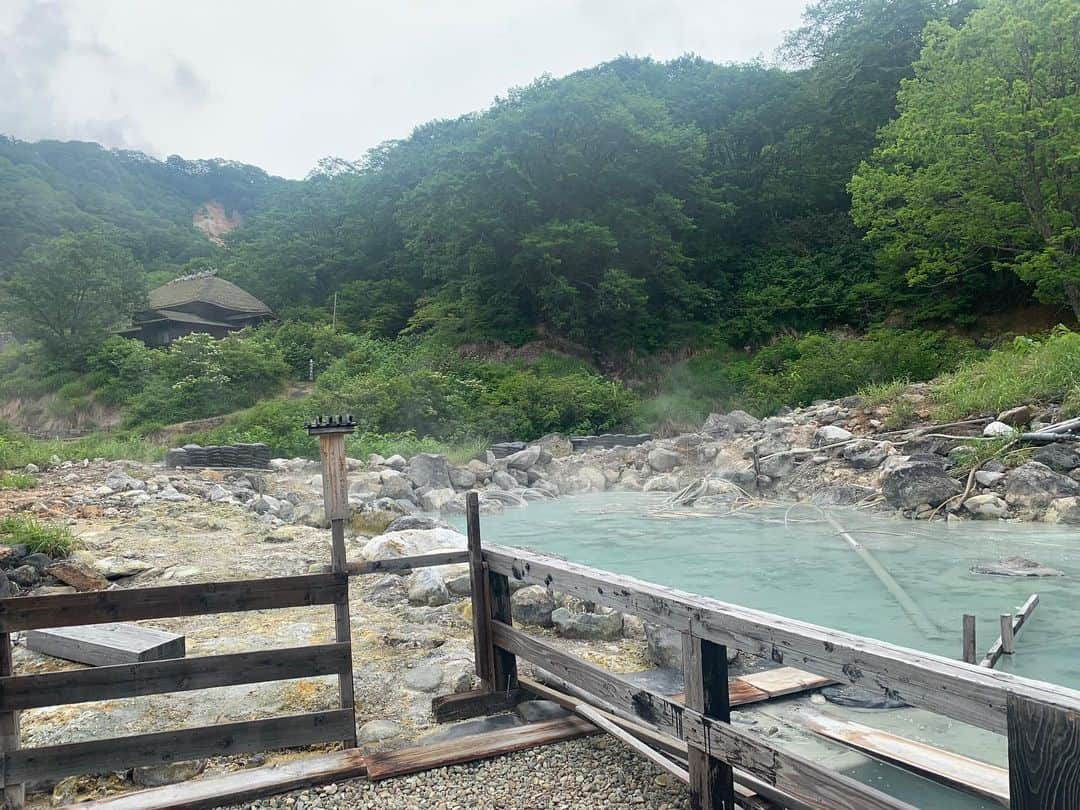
(405, 564)
(240, 786)
(69, 610)
(58, 761)
(176, 675)
(980, 778)
(811, 784)
(946, 686)
(784, 681)
(101, 645)
(1044, 756)
(405, 761)
(447, 708)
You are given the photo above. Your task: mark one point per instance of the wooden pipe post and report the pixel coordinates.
(332, 432)
(14, 796)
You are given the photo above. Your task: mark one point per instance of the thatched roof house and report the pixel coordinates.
(197, 303)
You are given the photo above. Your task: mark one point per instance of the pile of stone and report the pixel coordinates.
(254, 456)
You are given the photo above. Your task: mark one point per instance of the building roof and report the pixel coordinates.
(207, 289)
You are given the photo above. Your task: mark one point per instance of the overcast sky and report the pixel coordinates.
(282, 84)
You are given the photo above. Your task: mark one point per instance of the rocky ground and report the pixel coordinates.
(141, 525)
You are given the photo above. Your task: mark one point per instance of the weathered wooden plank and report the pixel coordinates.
(69, 610)
(483, 651)
(335, 481)
(598, 719)
(447, 708)
(14, 794)
(101, 645)
(712, 783)
(811, 784)
(1010, 629)
(504, 674)
(951, 769)
(968, 644)
(57, 761)
(1044, 756)
(477, 746)
(391, 565)
(970, 694)
(784, 681)
(241, 786)
(176, 675)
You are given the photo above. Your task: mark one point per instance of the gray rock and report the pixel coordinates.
(908, 484)
(521, 476)
(663, 460)
(831, 434)
(777, 466)
(664, 646)
(167, 773)
(429, 470)
(117, 567)
(424, 678)
(176, 457)
(218, 493)
(740, 478)
(376, 730)
(865, 454)
(39, 561)
(997, 429)
(987, 507)
(523, 459)
(119, 481)
(592, 626)
(1017, 417)
(723, 424)
(1034, 485)
(435, 500)
(1016, 567)
(427, 587)
(841, 495)
(312, 514)
(395, 485)
(31, 469)
(410, 522)
(533, 605)
(1059, 456)
(462, 478)
(503, 480)
(481, 470)
(1063, 510)
(395, 462)
(26, 576)
(556, 445)
(989, 478)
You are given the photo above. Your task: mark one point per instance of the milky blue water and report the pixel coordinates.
(793, 563)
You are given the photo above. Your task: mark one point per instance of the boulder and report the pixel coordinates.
(664, 646)
(435, 500)
(591, 626)
(376, 730)
(312, 514)
(723, 424)
(410, 522)
(989, 478)
(424, 678)
(167, 773)
(524, 459)
(663, 460)
(841, 495)
(996, 429)
(503, 480)
(1034, 486)
(119, 481)
(78, 575)
(481, 470)
(831, 434)
(866, 454)
(39, 561)
(395, 485)
(987, 506)
(1059, 456)
(909, 484)
(427, 587)
(396, 462)
(1063, 510)
(556, 445)
(1017, 417)
(117, 567)
(25, 576)
(462, 478)
(429, 470)
(412, 542)
(1016, 567)
(533, 605)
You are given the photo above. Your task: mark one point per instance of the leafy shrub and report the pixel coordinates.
(47, 538)
(300, 342)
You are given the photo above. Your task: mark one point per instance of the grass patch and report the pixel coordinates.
(883, 393)
(17, 481)
(1030, 370)
(972, 455)
(17, 449)
(47, 538)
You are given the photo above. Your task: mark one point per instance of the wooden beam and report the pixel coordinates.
(1044, 756)
(968, 655)
(483, 651)
(97, 607)
(174, 675)
(447, 708)
(105, 644)
(942, 685)
(504, 675)
(240, 786)
(1010, 629)
(405, 564)
(712, 783)
(405, 761)
(633, 743)
(953, 770)
(58, 761)
(14, 794)
(811, 784)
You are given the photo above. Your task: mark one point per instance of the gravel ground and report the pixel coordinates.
(595, 772)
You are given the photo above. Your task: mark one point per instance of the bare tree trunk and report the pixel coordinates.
(1072, 293)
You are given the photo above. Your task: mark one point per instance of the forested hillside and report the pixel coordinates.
(627, 246)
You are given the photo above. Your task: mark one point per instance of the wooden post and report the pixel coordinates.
(14, 795)
(1044, 756)
(712, 782)
(504, 672)
(483, 649)
(332, 433)
(1007, 641)
(969, 639)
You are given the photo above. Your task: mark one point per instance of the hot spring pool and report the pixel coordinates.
(793, 563)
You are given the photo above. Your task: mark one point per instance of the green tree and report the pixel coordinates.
(71, 290)
(981, 167)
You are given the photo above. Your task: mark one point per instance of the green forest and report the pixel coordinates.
(894, 195)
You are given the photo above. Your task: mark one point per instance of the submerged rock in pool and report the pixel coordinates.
(855, 698)
(1016, 567)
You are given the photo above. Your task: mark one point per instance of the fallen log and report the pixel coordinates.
(1010, 628)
